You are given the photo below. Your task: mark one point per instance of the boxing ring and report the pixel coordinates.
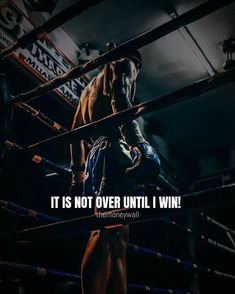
(49, 227)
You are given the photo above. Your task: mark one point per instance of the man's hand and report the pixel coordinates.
(146, 164)
(76, 188)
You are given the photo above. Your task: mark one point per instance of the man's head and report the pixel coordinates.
(134, 55)
(130, 53)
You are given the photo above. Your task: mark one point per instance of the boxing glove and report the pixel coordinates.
(146, 164)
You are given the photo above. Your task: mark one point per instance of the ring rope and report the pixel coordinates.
(43, 272)
(40, 116)
(37, 159)
(137, 42)
(38, 270)
(178, 261)
(199, 236)
(50, 25)
(148, 289)
(138, 249)
(112, 121)
(25, 212)
(215, 222)
(197, 200)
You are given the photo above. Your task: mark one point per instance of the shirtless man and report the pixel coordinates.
(109, 169)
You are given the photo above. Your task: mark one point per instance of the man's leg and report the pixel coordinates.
(118, 280)
(96, 264)
(104, 259)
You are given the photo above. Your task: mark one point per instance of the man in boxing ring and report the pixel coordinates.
(115, 165)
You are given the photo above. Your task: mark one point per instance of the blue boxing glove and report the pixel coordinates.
(146, 164)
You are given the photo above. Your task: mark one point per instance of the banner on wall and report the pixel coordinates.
(42, 58)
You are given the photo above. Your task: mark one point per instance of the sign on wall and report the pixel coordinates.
(42, 58)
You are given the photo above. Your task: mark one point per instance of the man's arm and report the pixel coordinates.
(146, 164)
(123, 89)
(77, 150)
